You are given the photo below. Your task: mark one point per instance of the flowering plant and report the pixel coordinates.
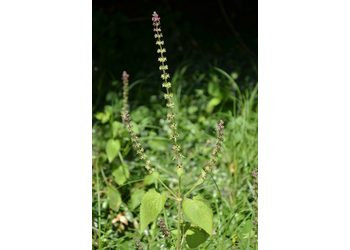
(197, 209)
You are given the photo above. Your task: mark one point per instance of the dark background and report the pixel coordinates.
(199, 33)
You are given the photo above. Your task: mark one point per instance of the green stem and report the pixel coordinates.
(99, 208)
(179, 217)
(191, 190)
(167, 187)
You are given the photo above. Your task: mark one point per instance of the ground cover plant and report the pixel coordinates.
(222, 212)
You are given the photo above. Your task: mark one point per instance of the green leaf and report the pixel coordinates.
(195, 237)
(140, 113)
(214, 89)
(121, 174)
(136, 197)
(212, 103)
(245, 232)
(151, 205)
(112, 149)
(106, 117)
(116, 126)
(179, 172)
(158, 145)
(199, 212)
(149, 179)
(102, 157)
(192, 109)
(114, 198)
(135, 127)
(99, 116)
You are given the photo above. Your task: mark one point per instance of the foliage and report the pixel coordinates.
(228, 189)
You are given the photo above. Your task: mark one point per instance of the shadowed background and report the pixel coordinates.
(201, 34)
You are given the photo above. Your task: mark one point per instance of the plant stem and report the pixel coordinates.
(191, 190)
(99, 208)
(167, 187)
(179, 217)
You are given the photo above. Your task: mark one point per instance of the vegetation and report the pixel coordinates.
(121, 182)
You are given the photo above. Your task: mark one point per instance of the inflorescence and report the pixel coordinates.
(255, 195)
(168, 96)
(138, 243)
(214, 153)
(125, 77)
(163, 228)
(135, 140)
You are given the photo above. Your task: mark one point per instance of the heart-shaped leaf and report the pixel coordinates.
(152, 204)
(112, 149)
(199, 212)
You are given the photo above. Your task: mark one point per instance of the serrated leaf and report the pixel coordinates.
(195, 237)
(121, 174)
(112, 149)
(151, 205)
(136, 198)
(114, 198)
(199, 212)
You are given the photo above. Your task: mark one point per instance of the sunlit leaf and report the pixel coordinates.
(151, 205)
(199, 212)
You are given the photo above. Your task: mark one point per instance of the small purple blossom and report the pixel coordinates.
(125, 75)
(155, 17)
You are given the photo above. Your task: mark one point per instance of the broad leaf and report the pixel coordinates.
(99, 116)
(114, 198)
(106, 117)
(121, 174)
(199, 212)
(149, 179)
(136, 197)
(158, 145)
(212, 103)
(214, 89)
(151, 205)
(195, 237)
(112, 149)
(192, 109)
(135, 127)
(116, 126)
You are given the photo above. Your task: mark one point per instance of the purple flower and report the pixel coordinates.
(125, 75)
(155, 17)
